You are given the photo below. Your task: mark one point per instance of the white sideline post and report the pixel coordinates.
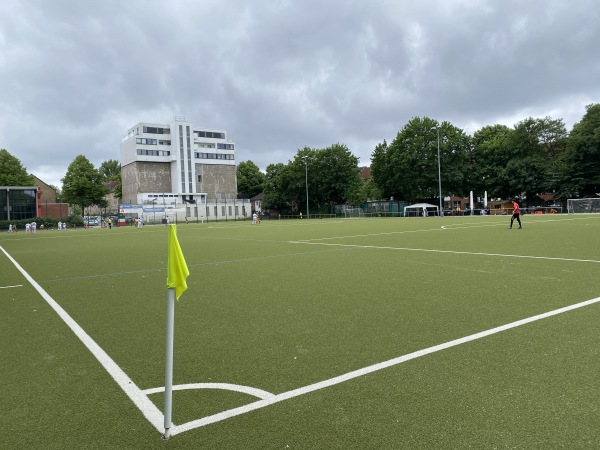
(485, 210)
(471, 201)
(169, 361)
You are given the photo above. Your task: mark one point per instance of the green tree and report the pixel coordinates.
(58, 193)
(82, 184)
(118, 191)
(581, 159)
(456, 161)
(491, 154)
(370, 191)
(332, 175)
(381, 170)
(110, 170)
(303, 175)
(367, 190)
(338, 175)
(534, 165)
(12, 173)
(275, 188)
(250, 179)
(408, 168)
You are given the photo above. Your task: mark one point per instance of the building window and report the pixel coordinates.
(199, 155)
(225, 146)
(144, 152)
(145, 141)
(16, 204)
(155, 130)
(199, 178)
(210, 134)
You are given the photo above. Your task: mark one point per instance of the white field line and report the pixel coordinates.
(454, 226)
(141, 400)
(255, 392)
(369, 369)
(155, 417)
(7, 287)
(386, 233)
(455, 252)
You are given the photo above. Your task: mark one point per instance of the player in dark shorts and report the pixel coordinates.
(516, 215)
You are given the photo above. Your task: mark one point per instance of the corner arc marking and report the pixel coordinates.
(255, 392)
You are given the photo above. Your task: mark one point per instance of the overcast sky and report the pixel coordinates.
(281, 75)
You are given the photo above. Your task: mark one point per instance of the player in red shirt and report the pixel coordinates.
(516, 214)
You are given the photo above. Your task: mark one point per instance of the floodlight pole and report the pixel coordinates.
(305, 159)
(439, 170)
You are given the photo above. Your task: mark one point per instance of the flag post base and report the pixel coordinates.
(167, 434)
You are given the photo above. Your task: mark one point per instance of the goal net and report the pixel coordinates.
(583, 205)
(353, 213)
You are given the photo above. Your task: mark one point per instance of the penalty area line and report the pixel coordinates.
(454, 252)
(370, 369)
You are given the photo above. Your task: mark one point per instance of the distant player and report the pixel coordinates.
(516, 214)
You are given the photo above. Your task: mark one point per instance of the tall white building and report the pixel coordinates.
(177, 163)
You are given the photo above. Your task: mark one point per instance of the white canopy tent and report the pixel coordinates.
(418, 208)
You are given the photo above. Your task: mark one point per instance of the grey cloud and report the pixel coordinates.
(281, 75)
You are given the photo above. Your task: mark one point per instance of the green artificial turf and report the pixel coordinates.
(284, 304)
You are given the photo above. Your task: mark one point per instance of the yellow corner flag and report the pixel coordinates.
(177, 270)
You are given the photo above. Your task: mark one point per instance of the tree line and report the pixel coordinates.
(82, 184)
(535, 156)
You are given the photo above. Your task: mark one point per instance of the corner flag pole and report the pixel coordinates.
(177, 272)
(169, 361)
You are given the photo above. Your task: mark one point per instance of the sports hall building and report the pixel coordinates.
(19, 202)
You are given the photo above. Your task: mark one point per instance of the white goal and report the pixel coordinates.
(583, 205)
(353, 213)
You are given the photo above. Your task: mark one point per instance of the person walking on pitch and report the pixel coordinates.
(516, 215)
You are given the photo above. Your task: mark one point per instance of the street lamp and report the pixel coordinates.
(439, 170)
(305, 159)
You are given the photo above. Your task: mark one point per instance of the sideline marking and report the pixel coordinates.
(6, 287)
(139, 399)
(370, 369)
(455, 252)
